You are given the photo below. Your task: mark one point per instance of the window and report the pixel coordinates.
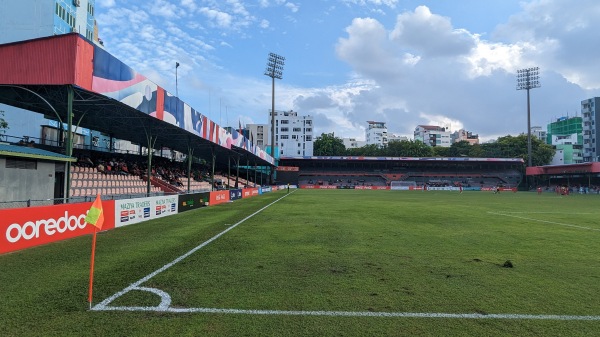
(297, 129)
(299, 144)
(285, 137)
(285, 129)
(285, 121)
(309, 138)
(294, 137)
(308, 129)
(308, 122)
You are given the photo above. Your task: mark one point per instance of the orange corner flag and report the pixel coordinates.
(95, 215)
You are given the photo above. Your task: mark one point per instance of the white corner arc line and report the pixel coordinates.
(546, 221)
(136, 285)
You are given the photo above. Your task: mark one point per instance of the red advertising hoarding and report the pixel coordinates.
(33, 226)
(218, 197)
(249, 192)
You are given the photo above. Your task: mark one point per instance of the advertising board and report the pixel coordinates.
(219, 197)
(235, 194)
(192, 201)
(33, 226)
(131, 211)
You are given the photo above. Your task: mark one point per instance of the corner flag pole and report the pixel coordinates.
(91, 288)
(95, 217)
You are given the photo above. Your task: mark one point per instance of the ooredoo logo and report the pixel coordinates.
(32, 229)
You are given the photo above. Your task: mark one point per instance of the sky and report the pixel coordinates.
(405, 63)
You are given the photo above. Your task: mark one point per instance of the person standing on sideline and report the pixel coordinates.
(288, 188)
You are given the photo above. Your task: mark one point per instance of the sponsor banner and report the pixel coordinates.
(442, 188)
(288, 168)
(319, 187)
(501, 189)
(192, 201)
(346, 187)
(401, 188)
(131, 211)
(33, 226)
(374, 187)
(471, 188)
(266, 189)
(235, 194)
(250, 192)
(219, 197)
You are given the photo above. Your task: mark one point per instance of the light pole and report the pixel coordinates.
(274, 70)
(528, 79)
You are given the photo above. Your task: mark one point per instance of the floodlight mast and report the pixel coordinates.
(274, 70)
(528, 79)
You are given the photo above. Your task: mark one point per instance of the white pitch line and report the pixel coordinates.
(357, 313)
(546, 221)
(165, 298)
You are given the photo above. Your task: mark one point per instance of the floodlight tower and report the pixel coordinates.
(274, 70)
(528, 79)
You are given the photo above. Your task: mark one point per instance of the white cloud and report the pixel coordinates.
(388, 3)
(264, 24)
(221, 19)
(292, 7)
(107, 3)
(430, 34)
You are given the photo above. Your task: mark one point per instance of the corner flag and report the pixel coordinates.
(95, 215)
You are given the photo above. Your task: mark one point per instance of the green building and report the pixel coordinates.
(566, 135)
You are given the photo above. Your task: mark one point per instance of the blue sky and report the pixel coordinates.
(448, 63)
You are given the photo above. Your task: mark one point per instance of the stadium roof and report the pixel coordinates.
(564, 169)
(32, 152)
(111, 98)
(419, 159)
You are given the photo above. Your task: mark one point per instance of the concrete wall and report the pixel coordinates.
(23, 184)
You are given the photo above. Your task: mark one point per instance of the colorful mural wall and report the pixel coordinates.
(114, 79)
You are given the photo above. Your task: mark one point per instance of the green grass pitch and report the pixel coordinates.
(326, 263)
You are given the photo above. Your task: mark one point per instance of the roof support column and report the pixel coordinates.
(189, 170)
(212, 174)
(151, 141)
(229, 171)
(254, 174)
(69, 144)
(237, 174)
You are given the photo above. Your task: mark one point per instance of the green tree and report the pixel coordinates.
(460, 149)
(409, 148)
(441, 151)
(329, 145)
(3, 123)
(516, 147)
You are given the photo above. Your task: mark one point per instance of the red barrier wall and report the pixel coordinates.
(33, 226)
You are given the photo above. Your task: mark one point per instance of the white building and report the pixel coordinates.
(433, 135)
(293, 134)
(590, 110)
(353, 143)
(539, 133)
(259, 134)
(396, 138)
(29, 19)
(376, 133)
(463, 134)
